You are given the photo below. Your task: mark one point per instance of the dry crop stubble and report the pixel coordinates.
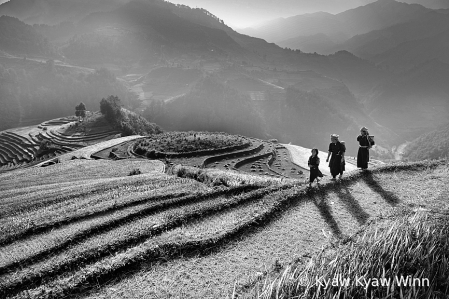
(107, 198)
(128, 234)
(58, 236)
(211, 228)
(74, 170)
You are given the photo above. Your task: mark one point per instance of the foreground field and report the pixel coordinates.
(403, 255)
(71, 231)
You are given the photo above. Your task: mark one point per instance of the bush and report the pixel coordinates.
(140, 151)
(215, 177)
(129, 123)
(151, 154)
(135, 171)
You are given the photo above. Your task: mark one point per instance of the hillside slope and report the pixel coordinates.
(379, 41)
(19, 38)
(53, 12)
(432, 145)
(154, 235)
(363, 19)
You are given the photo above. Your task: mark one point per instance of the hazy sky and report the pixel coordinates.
(244, 13)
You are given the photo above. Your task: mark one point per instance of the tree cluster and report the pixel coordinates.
(126, 121)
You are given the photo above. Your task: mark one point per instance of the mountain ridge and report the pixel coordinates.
(373, 16)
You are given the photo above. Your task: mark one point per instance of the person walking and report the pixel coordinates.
(314, 162)
(365, 143)
(337, 150)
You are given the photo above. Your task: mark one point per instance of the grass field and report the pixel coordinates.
(89, 229)
(403, 255)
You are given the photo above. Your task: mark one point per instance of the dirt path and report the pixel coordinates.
(86, 152)
(300, 156)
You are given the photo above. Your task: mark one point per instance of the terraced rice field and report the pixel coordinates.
(21, 147)
(16, 150)
(88, 229)
(230, 152)
(88, 151)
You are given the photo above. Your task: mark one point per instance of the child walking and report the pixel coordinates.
(314, 162)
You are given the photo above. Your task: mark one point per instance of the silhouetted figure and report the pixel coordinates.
(314, 162)
(343, 162)
(337, 150)
(365, 143)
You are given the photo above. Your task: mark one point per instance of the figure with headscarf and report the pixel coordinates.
(365, 143)
(337, 150)
(314, 163)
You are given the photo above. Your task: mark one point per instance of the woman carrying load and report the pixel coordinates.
(365, 143)
(337, 150)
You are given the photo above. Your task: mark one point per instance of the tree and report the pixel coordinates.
(111, 107)
(80, 111)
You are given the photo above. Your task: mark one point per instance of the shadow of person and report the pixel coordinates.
(352, 204)
(325, 211)
(388, 196)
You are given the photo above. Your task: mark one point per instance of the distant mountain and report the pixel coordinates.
(411, 53)
(319, 42)
(376, 42)
(413, 102)
(360, 20)
(434, 4)
(18, 38)
(245, 13)
(379, 14)
(301, 25)
(148, 30)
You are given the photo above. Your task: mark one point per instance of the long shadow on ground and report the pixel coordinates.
(388, 196)
(351, 203)
(326, 213)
